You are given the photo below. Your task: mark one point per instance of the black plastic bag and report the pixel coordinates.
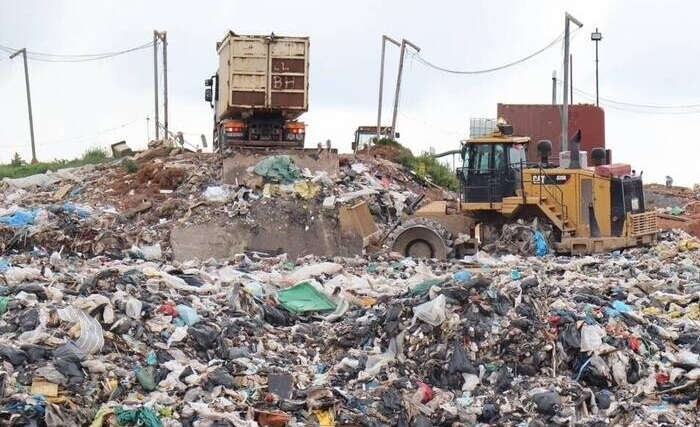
(459, 363)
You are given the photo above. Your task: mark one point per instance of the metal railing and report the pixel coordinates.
(495, 183)
(557, 196)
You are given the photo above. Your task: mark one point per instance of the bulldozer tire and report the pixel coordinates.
(421, 238)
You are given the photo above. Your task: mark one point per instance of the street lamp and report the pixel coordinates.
(596, 37)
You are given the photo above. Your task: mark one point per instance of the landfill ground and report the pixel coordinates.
(109, 317)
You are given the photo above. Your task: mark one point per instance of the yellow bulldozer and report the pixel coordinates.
(585, 209)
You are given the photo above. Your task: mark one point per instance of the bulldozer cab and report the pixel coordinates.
(492, 166)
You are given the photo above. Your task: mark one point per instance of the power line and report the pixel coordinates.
(48, 57)
(489, 70)
(636, 110)
(635, 107)
(123, 125)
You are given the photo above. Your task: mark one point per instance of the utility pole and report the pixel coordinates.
(565, 106)
(155, 79)
(23, 51)
(554, 87)
(161, 36)
(404, 42)
(381, 84)
(164, 38)
(596, 37)
(571, 79)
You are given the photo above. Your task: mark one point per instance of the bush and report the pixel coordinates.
(429, 168)
(17, 160)
(130, 165)
(95, 155)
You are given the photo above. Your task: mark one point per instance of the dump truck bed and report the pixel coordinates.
(258, 73)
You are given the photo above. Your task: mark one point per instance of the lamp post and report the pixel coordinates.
(596, 37)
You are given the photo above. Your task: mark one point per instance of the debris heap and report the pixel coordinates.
(102, 327)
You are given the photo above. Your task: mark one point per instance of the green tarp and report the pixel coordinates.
(302, 298)
(278, 168)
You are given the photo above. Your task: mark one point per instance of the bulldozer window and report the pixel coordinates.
(516, 155)
(481, 158)
(499, 160)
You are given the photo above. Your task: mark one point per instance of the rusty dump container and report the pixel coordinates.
(543, 121)
(263, 73)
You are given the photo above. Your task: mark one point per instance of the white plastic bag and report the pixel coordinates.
(91, 337)
(591, 337)
(216, 194)
(432, 312)
(314, 270)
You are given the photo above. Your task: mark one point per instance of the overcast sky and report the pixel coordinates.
(647, 57)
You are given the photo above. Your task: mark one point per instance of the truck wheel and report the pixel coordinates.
(421, 238)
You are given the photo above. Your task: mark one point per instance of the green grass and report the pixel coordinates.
(18, 168)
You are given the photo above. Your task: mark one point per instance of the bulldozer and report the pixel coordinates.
(586, 210)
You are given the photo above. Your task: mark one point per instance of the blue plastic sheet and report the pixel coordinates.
(187, 315)
(541, 247)
(621, 306)
(80, 211)
(461, 276)
(19, 219)
(4, 265)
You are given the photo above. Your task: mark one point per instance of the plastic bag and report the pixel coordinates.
(153, 252)
(133, 308)
(19, 218)
(461, 276)
(591, 337)
(314, 270)
(432, 312)
(145, 378)
(541, 247)
(91, 338)
(4, 265)
(459, 362)
(81, 211)
(278, 168)
(216, 194)
(187, 314)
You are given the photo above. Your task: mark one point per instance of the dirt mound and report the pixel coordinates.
(393, 153)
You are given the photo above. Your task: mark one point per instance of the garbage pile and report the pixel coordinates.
(677, 207)
(105, 209)
(378, 341)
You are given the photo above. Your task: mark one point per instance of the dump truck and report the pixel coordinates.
(258, 95)
(587, 209)
(259, 91)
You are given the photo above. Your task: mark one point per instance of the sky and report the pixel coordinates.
(646, 58)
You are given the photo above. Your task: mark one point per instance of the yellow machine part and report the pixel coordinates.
(578, 203)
